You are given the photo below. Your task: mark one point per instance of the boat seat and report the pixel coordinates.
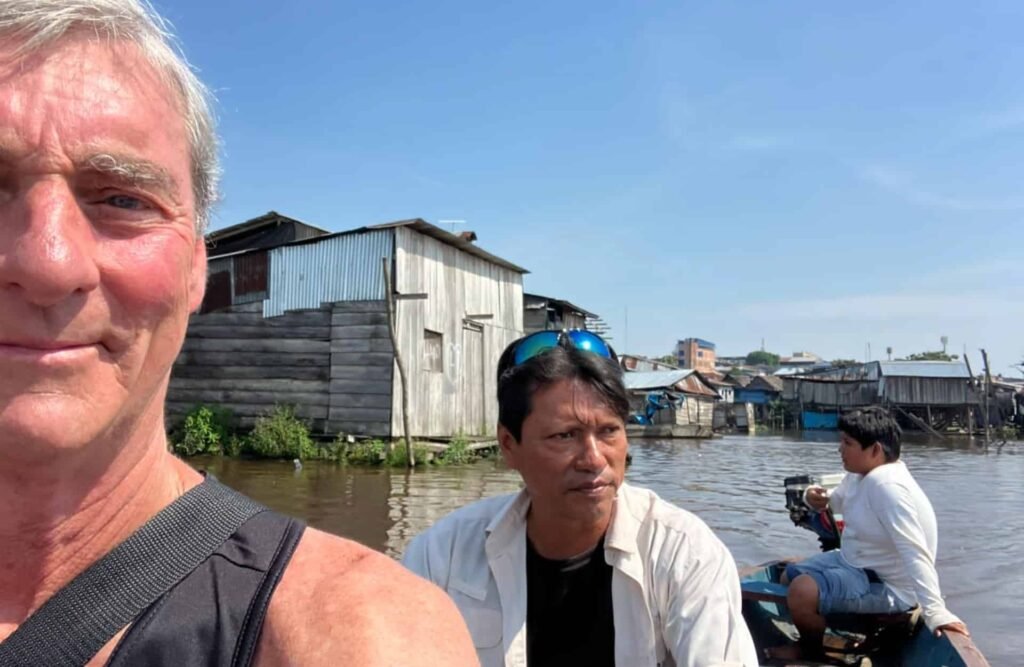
(877, 626)
(854, 634)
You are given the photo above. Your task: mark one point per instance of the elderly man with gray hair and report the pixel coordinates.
(113, 552)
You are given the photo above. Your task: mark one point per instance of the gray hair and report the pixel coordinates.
(42, 23)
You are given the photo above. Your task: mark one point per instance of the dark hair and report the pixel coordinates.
(517, 384)
(873, 424)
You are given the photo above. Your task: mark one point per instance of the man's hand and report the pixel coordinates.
(957, 627)
(817, 497)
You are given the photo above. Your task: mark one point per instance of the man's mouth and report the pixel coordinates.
(592, 488)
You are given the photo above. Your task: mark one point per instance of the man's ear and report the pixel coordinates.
(197, 276)
(509, 447)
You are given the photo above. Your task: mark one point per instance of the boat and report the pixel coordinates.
(855, 640)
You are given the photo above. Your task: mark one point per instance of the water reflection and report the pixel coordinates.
(733, 483)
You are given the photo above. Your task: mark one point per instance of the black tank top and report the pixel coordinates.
(213, 617)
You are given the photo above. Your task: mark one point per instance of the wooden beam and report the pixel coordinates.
(922, 424)
(270, 344)
(194, 358)
(252, 372)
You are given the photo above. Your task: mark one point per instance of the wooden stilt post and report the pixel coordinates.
(389, 295)
(988, 390)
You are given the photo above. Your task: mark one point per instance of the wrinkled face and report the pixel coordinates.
(857, 459)
(100, 264)
(572, 454)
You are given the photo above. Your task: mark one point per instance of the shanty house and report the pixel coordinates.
(691, 399)
(305, 323)
(761, 390)
(922, 393)
(543, 313)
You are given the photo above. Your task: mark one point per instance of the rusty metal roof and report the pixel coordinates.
(686, 381)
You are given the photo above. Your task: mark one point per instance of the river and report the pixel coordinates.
(734, 483)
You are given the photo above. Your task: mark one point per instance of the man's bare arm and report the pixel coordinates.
(340, 603)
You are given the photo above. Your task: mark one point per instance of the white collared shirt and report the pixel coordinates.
(675, 589)
(891, 529)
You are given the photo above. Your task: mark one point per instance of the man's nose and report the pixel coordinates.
(590, 457)
(47, 245)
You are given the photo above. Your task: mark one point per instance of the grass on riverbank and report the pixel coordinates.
(211, 430)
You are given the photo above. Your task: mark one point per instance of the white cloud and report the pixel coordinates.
(902, 183)
(757, 142)
(886, 307)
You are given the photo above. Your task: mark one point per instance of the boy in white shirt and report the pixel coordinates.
(886, 563)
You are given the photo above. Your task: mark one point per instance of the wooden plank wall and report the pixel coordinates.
(237, 359)
(457, 284)
(361, 369)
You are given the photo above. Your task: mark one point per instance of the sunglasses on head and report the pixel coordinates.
(542, 341)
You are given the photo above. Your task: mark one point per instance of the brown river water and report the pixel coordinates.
(733, 483)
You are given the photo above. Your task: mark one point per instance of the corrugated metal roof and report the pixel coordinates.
(333, 268)
(536, 300)
(684, 380)
(926, 369)
(267, 219)
(419, 225)
(655, 379)
(424, 227)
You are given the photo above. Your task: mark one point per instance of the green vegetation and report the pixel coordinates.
(211, 430)
(281, 435)
(936, 355)
(669, 359)
(366, 452)
(458, 452)
(762, 358)
(205, 430)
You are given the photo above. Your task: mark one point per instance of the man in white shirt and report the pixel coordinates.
(580, 568)
(886, 563)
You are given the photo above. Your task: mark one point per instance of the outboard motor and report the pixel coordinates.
(823, 523)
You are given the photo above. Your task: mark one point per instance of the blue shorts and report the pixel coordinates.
(844, 589)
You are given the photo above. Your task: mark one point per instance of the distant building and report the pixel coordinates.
(921, 394)
(543, 313)
(696, 353)
(692, 399)
(296, 316)
(632, 362)
(802, 360)
(730, 362)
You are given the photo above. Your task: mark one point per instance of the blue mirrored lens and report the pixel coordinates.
(584, 340)
(534, 344)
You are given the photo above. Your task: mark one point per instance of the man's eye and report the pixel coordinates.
(126, 202)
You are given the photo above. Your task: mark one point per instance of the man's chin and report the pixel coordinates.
(35, 428)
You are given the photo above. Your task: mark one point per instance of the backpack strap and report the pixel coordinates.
(82, 617)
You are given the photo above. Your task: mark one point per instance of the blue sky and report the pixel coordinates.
(819, 175)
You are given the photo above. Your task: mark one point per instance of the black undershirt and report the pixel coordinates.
(569, 619)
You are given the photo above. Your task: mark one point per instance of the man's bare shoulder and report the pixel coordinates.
(342, 603)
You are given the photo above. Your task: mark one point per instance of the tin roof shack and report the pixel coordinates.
(930, 395)
(690, 413)
(543, 313)
(760, 390)
(633, 362)
(309, 328)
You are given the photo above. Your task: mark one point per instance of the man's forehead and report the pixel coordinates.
(110, 76)
(572, 399)
(84, 99)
